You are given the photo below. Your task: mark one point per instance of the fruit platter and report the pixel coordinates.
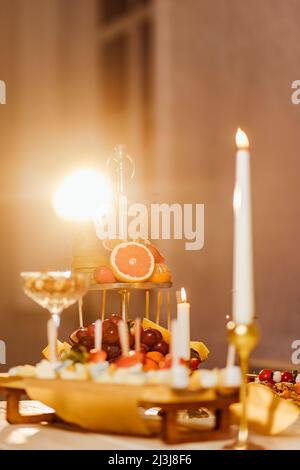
(111, 388)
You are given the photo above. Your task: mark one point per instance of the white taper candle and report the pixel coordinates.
(243, 297)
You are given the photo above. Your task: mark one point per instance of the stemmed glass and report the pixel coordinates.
(55, 290)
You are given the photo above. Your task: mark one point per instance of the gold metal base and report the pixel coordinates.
(125, 288)
(244, 338)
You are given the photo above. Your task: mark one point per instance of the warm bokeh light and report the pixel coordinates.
(82, 195)
(241, 140)
(183, 294)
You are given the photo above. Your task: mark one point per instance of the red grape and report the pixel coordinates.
(150, 337)
(161, 347)
(87, 342)
(115, 318)
(144, 348)
(159, 336)
(107, 324)
(110, 332)
(91, 329)
(113, 351)
(77, 334)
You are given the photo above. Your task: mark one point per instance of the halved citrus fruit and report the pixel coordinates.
(132, 262)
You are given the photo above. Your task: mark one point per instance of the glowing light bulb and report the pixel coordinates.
(82, 195)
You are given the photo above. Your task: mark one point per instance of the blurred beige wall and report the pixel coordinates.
(219, 64)
(231, 64)
(49, 126)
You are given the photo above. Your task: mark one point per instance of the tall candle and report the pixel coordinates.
(243, 297)
(183, 317)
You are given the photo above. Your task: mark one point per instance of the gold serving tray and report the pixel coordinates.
(115, 408)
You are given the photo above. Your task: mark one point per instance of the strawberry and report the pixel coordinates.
(97, 356)
(131, 360)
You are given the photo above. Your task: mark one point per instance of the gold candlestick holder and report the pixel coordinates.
(244, 338)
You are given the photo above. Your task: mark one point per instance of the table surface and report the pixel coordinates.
(47, 437)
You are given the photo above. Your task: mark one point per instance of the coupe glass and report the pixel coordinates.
(55, 290)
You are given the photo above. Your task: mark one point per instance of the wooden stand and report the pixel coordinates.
(13, 415)
(173, 432)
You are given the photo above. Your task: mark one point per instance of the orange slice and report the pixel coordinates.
(132, 262)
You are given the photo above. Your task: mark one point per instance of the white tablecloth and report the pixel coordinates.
(32, 436)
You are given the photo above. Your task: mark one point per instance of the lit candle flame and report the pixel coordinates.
(183, 294)
(241, 140)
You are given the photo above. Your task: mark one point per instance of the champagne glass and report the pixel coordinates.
(55, 290)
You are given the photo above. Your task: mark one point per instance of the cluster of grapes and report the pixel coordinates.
(151, 339)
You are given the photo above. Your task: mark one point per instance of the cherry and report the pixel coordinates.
(161, 347)
(265, 375)
(287, 377)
